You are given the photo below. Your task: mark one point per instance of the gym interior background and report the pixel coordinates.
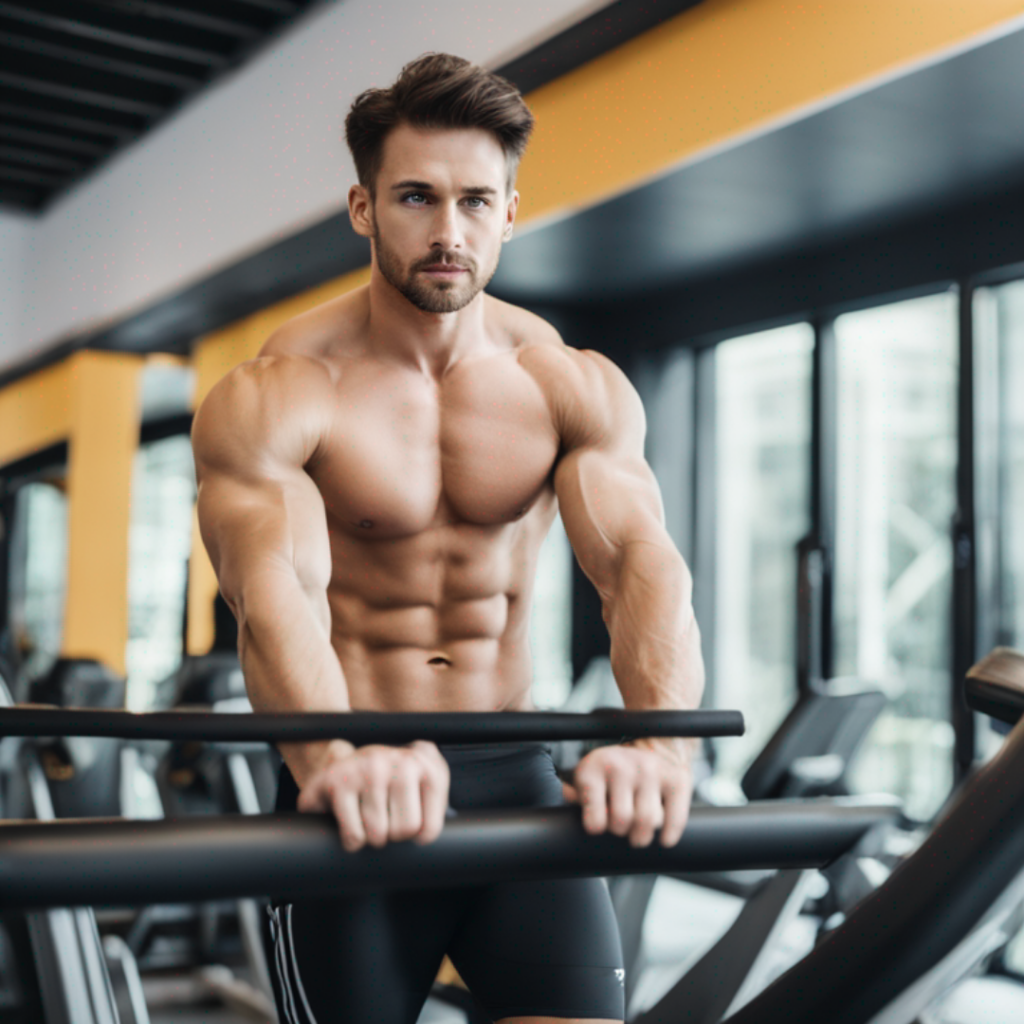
(799, 228)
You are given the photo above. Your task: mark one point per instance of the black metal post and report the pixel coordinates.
(814, 551)
(964, 577)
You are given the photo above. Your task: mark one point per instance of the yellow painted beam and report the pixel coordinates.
(35, 412)
(103, 389)
(717, 72)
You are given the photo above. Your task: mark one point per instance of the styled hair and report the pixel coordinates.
(438, 90)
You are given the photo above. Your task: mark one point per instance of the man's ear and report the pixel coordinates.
(360, 210)
(510, 216)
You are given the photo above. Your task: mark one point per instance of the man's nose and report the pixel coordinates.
(445, 231)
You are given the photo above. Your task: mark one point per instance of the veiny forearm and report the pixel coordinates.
(288, 661)
(655, 642)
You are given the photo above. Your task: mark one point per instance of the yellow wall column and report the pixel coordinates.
(35, 412)
(103, 390)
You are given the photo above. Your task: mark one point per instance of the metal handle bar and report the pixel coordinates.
(68, 863)
(363, 727)
(995, 685)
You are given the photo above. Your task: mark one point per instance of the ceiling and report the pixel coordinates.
(942, 135)
(79, 79)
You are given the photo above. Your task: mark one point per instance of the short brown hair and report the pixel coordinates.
(438, 90)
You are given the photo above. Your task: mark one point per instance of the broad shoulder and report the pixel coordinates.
(592, 401)
(273, 409)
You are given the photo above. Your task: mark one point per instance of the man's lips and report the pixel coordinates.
(444, 268)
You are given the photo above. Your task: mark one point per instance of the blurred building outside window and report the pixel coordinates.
(999, 475)
(762, 434)
(160, 538)
(897, 369)
(37, 582)
(551, 620)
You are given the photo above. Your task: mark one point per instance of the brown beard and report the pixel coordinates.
(429, 296)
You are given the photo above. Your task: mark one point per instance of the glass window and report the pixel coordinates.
(666, 386)
(551, 620)
(896, 453)
(999, 477)
(762, 438)
(1009, 329)
(160, 537)
(38, 575)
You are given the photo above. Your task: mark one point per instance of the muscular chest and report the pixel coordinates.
(406, 453)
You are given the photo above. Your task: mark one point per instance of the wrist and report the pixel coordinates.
(305, 760)
(678, 749)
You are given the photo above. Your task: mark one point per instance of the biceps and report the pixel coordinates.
(606, 504)
(258, 532)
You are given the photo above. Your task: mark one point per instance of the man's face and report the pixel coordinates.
(440, 215)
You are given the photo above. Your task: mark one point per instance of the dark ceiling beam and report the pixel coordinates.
(20, 199)
(73, 117)
(107, 64)
(121, 93)
(68, 143)
(196, 15)
(39, 159)
(286, 8)
(104, 71)
(79, 95)
(10, 173)
(157, 38)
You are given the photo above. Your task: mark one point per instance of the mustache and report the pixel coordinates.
(449, 259)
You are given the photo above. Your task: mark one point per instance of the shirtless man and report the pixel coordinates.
(373, 491)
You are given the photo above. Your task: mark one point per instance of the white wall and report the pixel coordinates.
(15, 237)
(255, 158)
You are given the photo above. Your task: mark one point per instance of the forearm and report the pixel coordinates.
(655, 642)
(288, 661)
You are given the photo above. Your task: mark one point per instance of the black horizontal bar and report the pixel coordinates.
(363, 727)
(102, 863)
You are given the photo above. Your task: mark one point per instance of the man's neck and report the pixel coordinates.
(430, 342)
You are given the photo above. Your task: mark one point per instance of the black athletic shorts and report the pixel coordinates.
(524, 948)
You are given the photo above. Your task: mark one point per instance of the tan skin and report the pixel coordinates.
(374, 490)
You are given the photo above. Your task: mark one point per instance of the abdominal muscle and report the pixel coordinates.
(433, 633)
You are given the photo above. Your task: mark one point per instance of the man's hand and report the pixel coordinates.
(635, 789)
(381, 793)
